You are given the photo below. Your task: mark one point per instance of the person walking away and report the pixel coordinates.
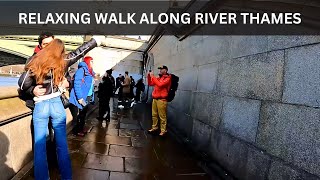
(47, 69)
(83, 87)
(140, 87)
(105, 93)
(132, 84)
(118, 83)
(120, 93)
(126, 88)
(159, 104)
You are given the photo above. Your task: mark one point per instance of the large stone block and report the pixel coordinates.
(281, 171)
(169, 61)
(172, 115)
(168, 45)
(189, 42)
(164, 46)
(14, 105)
(20, 142)
(258, 76)
(240, 159)
(284, 42)
(258, 164)
(187, 79)
(184, 124)
(182, 101)
(207, 108)
(240, 117)
(302, 76)
(229, 152)
(292, 134)
(248, 45)
(207, 78)
(201, 134)
(214, 49)
(187, 58)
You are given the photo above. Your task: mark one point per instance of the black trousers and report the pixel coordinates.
(138, 93)
(131, 92)
(104, 107)
(120, 94)
(78, 118)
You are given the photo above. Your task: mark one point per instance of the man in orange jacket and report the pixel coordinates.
(159, 104)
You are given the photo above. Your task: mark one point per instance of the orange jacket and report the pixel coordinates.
(161, 86)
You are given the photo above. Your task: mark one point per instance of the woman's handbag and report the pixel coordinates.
(65, 101)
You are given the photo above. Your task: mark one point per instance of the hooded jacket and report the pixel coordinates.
(161, 86)
(83, 82)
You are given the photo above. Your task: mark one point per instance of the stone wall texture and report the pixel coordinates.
(250, 102)
(15, 137)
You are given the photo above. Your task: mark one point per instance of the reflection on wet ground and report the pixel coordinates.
(122, 150)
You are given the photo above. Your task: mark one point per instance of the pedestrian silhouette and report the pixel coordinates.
(8, 172)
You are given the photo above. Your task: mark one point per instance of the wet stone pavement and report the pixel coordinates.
(123, 150)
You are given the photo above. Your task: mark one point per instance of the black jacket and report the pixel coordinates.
(106, 88)
(27, 82)
(140, 85)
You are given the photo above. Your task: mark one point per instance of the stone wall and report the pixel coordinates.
(15, 137)
(250, 102)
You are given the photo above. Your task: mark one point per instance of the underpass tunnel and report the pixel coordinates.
(247, 106)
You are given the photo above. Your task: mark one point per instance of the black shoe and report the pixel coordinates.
(99, 118)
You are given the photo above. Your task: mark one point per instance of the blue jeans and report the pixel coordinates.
(43, 110)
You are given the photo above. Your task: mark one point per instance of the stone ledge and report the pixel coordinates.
(8, 92)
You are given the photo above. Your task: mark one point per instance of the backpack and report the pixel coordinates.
(70, 79)
(173, 87)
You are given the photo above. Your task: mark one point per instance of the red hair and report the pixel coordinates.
(51, 58)
(87, 60)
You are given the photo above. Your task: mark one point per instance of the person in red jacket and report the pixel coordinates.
(159, 104)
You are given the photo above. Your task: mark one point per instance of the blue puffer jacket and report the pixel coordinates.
(83, 82)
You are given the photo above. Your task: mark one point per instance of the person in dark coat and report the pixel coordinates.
(132, 85)
(118, 82)
(140, 87)
(120, 93)
(105, 92)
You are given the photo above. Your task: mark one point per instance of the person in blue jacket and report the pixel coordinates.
(81, 94)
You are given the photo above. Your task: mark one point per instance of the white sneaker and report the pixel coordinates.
(133, 103)
(121, 106)
(104, 123)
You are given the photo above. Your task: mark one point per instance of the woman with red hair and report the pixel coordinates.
(47, 68)
(81, 94)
